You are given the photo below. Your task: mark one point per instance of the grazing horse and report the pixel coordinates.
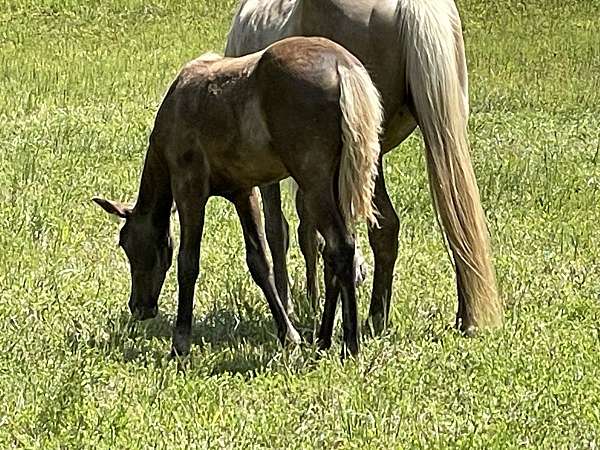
(414, 52)
(304, 107)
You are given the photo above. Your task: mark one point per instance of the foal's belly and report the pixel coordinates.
(245, 159)
(244, 170)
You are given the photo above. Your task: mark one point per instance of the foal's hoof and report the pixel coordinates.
(181, 345)
(375, 325)
(144, 313)
(349, 350)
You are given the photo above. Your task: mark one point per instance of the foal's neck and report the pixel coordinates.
(155, 197)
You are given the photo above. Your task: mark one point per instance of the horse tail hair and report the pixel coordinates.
(362, 116)
(437, 80)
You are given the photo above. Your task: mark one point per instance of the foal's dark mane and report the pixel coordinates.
(155, 196)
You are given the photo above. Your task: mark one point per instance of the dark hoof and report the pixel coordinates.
(375, 325)
(308, 336)
(181, 345)
(323, 344)
(349, 350)
(144, 313)
(466, 327)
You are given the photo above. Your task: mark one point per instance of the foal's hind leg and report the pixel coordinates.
(277, 231)
(332, 293)
(310, 243)
(339, 254)
(384, 242)
(246, 204)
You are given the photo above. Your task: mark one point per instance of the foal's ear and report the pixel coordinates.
(118, 209)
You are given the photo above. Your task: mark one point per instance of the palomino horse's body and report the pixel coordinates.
(413, 50)
(305, 107)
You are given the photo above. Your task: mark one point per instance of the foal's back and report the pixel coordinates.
(247, 120)
(299, 85)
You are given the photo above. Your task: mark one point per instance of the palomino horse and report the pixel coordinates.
(414, 52)
(304, 108)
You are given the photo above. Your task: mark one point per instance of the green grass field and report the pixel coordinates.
(79, 86)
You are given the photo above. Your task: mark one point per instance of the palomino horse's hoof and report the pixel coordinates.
(470, 331)
(466, 327)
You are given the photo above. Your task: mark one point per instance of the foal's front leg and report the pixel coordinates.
(191, 217)
(246, 204)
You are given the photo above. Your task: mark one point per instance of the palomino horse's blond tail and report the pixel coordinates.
(431, 37)
(362, 115)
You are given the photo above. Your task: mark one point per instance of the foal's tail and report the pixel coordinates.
(362, 116)
(436, 74)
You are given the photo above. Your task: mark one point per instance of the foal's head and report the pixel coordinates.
(149, 248)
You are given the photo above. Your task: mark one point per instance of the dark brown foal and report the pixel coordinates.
(305, 107)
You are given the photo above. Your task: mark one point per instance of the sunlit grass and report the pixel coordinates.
(79, 85)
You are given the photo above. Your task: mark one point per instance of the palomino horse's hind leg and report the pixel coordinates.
(384, 242)
(277, 231)
(246, 205)
(191, 216)
(308, 240)
(463, 321)
(339, 254)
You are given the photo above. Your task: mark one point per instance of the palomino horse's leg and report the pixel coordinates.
(462, 318)
(339, 254)
(332, 293)
(384, 242)
(191, 217)
(277, 231)
(246, 204)
(308, 240)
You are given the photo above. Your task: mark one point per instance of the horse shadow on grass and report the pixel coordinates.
(239, 340)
